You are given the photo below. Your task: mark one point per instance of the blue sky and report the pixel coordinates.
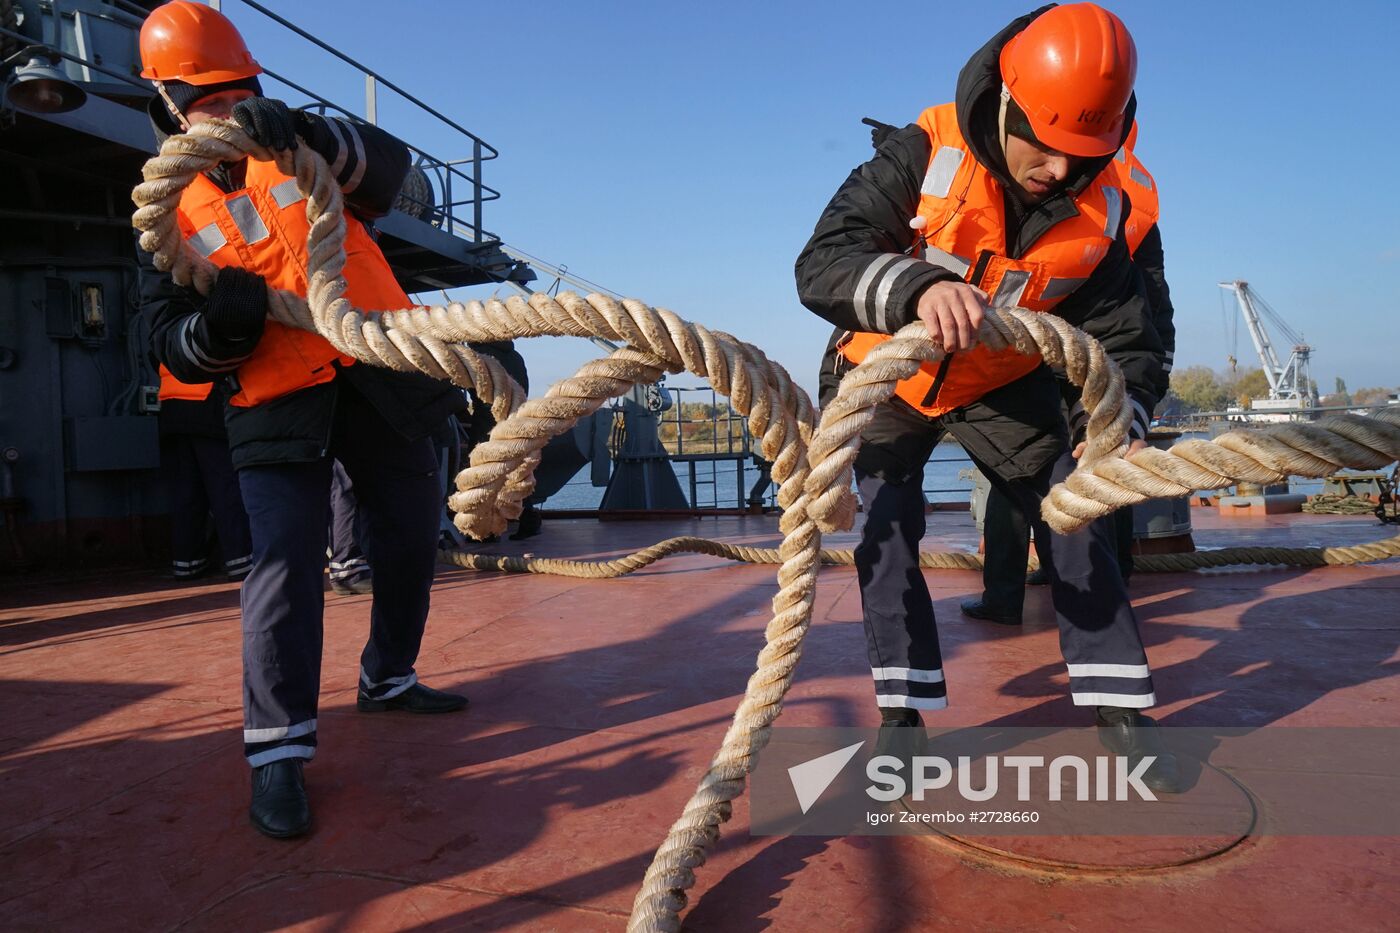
(681, 153)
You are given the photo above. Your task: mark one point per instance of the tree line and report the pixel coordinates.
(1200, 388)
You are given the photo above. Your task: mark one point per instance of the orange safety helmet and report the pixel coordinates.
(193, 43)
(1072, 71)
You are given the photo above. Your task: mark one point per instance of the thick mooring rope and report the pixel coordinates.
(611, 568)
(813, 471)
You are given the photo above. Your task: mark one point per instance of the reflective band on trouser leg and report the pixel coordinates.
(901, 639)
(344, 570)
(282, 600)
(274, 743)
(389, 687)
(1099, 634)
(909, 688)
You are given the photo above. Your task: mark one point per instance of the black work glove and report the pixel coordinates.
(268, 122)
(237, 305)
(879, 132)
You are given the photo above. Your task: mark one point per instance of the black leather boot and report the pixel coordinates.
(279, 807)
(1129, 733)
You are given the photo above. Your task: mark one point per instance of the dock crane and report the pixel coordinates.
(1290, 383)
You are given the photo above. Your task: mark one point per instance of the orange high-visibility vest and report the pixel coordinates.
(172, 388)
(1142, 193)
(263, 228)
(965, 231)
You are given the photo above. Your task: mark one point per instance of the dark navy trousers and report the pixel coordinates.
(396, 487)
(347, 558)
(1007, 533)
(202, 481)
(1099, 635)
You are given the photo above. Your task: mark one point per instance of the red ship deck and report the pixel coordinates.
(596, 705)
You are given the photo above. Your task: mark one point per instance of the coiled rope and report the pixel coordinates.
(929, 560)
(812, 470)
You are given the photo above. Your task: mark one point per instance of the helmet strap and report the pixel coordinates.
(185, 123)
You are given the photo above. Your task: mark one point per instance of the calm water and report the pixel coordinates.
(942, 483)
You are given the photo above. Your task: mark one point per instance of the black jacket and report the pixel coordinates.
(869, 217)
(296, 427)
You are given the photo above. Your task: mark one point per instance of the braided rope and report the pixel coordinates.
(929, 560)
(813, 471)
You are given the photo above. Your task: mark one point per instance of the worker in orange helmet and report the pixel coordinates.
(1004, 197)
(1006, 531)
(293, 403)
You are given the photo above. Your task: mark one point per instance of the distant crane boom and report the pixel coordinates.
(1290, 381)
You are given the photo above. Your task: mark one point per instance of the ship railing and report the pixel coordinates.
(446, 193)
(722, 469)
(701, 430)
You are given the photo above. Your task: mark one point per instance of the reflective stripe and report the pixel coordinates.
(942, 170)
(282, 751)
(1170, 355)
(245, 217)
(948, 261)
(279, 732)
(199, 357)
(1108, 670)
(358, 174)
(1124, 700)
(911, 702)
(1121, 155)
(1059, 288)
(1139, 429)
(907, 673)
(342, 148)
(1141, 177)
(287, 193)
(238, 562)
(1114, 199)
(401, 684)
(208, 239)
(882, 292)
(866, 279)
(352, 562)
(1011, 288)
